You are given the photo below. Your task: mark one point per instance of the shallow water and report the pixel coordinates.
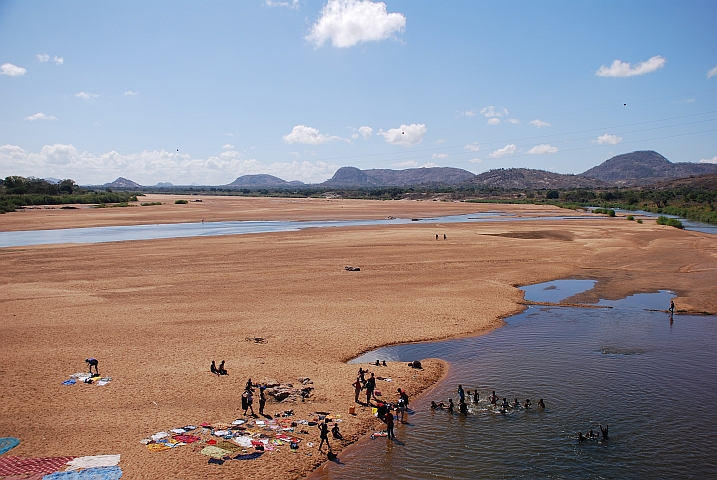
(653, 380)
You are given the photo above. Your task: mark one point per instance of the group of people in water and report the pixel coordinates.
(465, 396)
(594, 436)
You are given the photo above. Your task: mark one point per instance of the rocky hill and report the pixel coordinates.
(354, 177)
(122, 182)
(262, 180)
(706, 182)
(522, 178)
(645, 168)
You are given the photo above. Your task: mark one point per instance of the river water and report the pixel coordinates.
(652, 378)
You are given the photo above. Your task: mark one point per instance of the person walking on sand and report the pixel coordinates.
(357, 389)
(324, 434)
(262, 400)
(92, 362)
(370, 386)
(249, 403)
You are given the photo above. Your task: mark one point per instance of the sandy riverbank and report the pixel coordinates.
(157, 312)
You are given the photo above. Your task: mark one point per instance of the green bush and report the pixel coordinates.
(639, 220)
(149, 204)
(607, 211)
(181, 202)
(630, 217)
(670, 222)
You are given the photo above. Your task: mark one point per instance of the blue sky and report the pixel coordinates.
(205, 92)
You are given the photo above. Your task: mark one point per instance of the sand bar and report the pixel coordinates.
(157, 312)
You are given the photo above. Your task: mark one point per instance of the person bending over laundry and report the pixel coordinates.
(92, 362)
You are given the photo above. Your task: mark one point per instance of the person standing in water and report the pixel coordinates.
(493, 398)
(389, 424)
(450, 405)
(541, 404)
(604, 431)
(461, 394)
(672, 307)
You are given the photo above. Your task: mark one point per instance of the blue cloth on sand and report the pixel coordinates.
(8, 443)
(96, 473)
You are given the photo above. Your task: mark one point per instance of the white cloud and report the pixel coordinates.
(406, 164)
(709, 160)
(436, 156)
(11, 70)
(43, 57)
(490, 111)
(406, 135)
(502, 152)
(293, 4)
(493, 121)
(512, 120)
(470, 113)
(297, 154)
(40, 116)
(542, 149)
(149, 167)
(712, 73)
(130, 93)
(608, 139)
(227, 145)
(473, 147)
(440, 141)
(538, 123)
(475, 160)
(366, 132)
(623, 69)
(58, 60)
(348, 22)
(308, 135)
(86, 96)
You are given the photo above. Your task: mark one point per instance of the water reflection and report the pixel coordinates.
(653, 381)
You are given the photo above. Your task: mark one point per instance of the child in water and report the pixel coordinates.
(450, 405)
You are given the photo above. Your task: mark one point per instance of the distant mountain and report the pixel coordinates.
(707, 182)
(354, 177)
(645, 168)
(122, 183)
(164, 184)
(262, 180)
(52, 180)
(522, 178)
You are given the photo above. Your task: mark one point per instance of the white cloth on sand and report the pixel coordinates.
(93, 461)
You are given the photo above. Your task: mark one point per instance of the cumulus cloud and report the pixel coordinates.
(624, 69)
(512, 120)
(130, 93)
(469, 113)
(493, 121)
(502, 152)
(473, 147)
(43, 57)
(149, 167)
(86, 96)
(293, 4)
(11, 70)
(475, 160)
(542, 149)
(227, 146)
(40, 116)
(712, 73)
(308, 136)
(709, 160)
(538, 123)
(366, 132)
(490, 111)
(438, 156)
(58, 60)
(406, 135)
(348, 22)
(608, 139)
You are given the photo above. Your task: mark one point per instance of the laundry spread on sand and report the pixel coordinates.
(8, 443)
(93, 461)
(87, 378)
(214, 451)
(21, 465)
(94, 473)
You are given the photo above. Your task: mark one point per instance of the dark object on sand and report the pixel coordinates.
(415, 364)
(349, 268)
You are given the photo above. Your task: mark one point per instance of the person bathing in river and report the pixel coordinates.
(541, 404)
(493, 398)
(603, 431)
(516, 403)
(450, 405)
(504, 406)
(527, 403)
(461, 394)
(463, 408)
(475, 396)
(437, 406)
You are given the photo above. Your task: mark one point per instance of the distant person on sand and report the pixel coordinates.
(361, 375)
(444, 236)
(357, 389)
(92, 362)
(370, 386)
(249, 386)
(249, 402)
(222, 370)
(214, 369)
(262, 399)
(436, 236)
(336, 433)
(324, 434)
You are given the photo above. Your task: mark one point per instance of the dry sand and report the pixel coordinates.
(155, 313)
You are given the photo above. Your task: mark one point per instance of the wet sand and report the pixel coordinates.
(155, 313)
